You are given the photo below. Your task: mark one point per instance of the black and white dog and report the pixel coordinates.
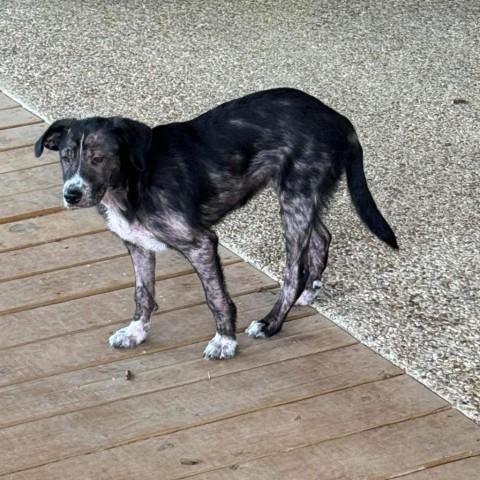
(167, 186)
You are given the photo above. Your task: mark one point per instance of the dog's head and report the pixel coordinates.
(96, 154)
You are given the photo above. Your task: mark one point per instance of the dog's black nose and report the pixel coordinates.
(73, 196)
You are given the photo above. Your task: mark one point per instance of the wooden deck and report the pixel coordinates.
(310, 403)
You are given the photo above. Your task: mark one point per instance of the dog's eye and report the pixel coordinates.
(97, 160)
(65, 159)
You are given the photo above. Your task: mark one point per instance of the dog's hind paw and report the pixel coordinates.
(131, 336)
(220, 347)
(309, 294)
(255, 330)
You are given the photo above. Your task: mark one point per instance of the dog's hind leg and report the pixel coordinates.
(144, 266)
(297, 213)
(203, 256)
(317, 258)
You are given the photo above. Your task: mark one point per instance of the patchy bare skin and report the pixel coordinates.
(167, 186)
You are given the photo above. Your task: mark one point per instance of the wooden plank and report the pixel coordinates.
(206, 401)
(17, 117)
(71, 252)
(66, 224)
(40, 359)
(31, 179)
(61, 254)
(252, 435)
(68, 284)
(29, 205)
(116, 307)
(112, 308)
(57, 226)
(376, 454)
(86, 280)
(467, 469)
(155, 366)
(22, 158)
(21, 136)
(7, 102)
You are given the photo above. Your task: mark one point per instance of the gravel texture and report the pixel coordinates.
(405, 72)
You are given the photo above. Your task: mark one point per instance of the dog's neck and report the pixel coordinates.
(115, 199)
(128, 229)
(121, 200)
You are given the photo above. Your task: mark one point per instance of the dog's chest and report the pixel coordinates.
(132, 232)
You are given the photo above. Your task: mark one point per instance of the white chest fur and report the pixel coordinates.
(131, 232)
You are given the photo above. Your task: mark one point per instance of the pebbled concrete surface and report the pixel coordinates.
(405, 72)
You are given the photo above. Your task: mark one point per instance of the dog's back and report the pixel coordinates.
(219, 160)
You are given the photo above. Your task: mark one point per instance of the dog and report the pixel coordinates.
(167, 186)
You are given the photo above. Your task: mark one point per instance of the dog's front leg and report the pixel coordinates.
(204, 258)
(144, 266)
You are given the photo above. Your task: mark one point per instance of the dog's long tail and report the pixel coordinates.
(362, 198)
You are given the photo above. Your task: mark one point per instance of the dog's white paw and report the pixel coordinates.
(220, 347)
(131, 336)
(309, 294)
(255, 330)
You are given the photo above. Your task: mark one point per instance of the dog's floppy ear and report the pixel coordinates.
(137, 137)
(52, 137)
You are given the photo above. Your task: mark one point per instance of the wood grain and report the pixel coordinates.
(31, 179)
(80, 382)
(72, 252)
(380, 453)
(21, 136)
(6, 102)
(17, 117)
(234, 440)
(206, 401)
(24, 158)
(50, 228)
